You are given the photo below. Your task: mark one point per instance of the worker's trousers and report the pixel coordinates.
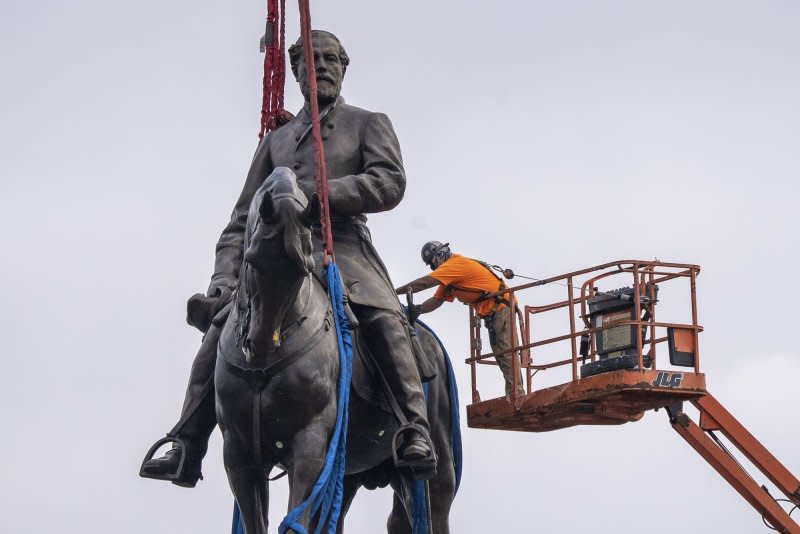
(499, 324)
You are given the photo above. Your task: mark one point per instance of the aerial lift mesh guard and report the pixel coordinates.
(622, 391)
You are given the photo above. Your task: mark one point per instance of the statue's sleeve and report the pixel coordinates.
(231, 243)
(382, 183)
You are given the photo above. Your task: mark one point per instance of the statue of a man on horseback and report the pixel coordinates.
(366, 175)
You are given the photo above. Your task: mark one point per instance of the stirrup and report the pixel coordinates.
(172, 477)
(422, 468)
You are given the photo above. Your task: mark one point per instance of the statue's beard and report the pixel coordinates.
(327, 92)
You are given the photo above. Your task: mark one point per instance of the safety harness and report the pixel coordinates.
(499, 300)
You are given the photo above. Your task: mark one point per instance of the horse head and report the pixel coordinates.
(278, 259)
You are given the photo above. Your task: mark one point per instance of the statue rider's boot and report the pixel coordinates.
(182, 463)
(387, 335)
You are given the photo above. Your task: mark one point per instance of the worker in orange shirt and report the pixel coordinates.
(468, 280)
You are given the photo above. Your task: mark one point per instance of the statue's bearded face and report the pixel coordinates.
(330, 70)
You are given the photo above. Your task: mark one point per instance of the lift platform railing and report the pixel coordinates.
(645, 277)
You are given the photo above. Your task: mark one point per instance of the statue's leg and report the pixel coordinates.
(197, 420)
(501, 340)
(387, 335)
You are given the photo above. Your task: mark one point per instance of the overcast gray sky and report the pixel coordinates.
(546, 136)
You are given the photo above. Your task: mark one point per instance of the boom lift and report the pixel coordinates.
(612, 338)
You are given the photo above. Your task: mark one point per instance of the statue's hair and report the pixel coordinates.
(296, 51)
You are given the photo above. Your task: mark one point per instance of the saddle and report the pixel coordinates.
(366, 379)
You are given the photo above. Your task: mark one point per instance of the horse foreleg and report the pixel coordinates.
(307, 458)
(251, 489)
(252, 495)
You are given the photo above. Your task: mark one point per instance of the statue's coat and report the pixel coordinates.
(365, 175)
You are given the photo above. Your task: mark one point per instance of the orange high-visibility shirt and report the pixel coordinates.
(467, 280)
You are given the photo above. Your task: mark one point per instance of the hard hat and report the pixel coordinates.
(431, 249)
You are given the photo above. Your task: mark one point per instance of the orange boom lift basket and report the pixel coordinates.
(610, 350)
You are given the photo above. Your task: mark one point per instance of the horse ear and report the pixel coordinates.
(267, 210)
(312, 212)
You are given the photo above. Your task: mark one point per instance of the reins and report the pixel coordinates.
(260, 376)
(243, 325)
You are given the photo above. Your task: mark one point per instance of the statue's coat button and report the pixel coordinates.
(296, 165)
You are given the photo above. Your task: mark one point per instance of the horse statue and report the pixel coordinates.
(276, 380)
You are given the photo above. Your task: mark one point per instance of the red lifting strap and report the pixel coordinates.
(274, 46)
(319, 150)
(274, 116)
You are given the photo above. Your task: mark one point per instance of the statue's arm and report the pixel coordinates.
(382, 183)
(229, 250)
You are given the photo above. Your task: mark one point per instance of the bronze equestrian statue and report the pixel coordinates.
(365, 175)
(277, 372)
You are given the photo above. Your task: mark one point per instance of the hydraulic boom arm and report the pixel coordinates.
(713, 417)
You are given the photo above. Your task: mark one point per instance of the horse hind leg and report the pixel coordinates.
(441, 493)
(442, 488)
(351, 485)
(440, 511)
(398, 518)
(441, 500)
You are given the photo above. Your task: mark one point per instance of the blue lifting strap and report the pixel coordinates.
(325, 500)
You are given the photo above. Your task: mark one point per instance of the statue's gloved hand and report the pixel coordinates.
(201, 309)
